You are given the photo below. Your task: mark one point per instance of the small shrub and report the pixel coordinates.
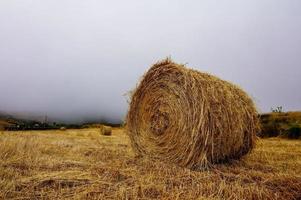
(270, 129)
(294, 132)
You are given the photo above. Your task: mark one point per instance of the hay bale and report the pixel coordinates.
(105, 130)
(63, 128)
(189, 118)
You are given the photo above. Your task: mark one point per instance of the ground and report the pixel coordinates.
(82, 164)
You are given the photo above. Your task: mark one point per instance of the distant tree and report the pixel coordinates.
(278, 109)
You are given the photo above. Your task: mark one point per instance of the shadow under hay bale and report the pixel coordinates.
(189, 118)
(105, 130)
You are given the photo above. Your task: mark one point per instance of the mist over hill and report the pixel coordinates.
(67, 119)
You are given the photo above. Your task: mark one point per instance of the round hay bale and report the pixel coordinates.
(189, 118)
(106, 130)
(63, 128)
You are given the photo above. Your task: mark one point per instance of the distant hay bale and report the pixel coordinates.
(63, 128)
(105, 130)
(189, 118)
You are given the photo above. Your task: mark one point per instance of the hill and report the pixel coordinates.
(4, 124)
(14, 122)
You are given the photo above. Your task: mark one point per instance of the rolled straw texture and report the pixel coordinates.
(105, 130)
(193, 119)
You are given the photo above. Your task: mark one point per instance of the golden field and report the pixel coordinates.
(83, 164)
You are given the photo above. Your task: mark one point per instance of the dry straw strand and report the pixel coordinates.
(190, 118)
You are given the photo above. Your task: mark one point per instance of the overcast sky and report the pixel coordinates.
(75, 58)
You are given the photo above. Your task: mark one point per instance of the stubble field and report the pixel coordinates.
(82, 164)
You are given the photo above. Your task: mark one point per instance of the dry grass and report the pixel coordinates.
(190, 118)
(82, 164)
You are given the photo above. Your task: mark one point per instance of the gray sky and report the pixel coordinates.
(75, 59)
